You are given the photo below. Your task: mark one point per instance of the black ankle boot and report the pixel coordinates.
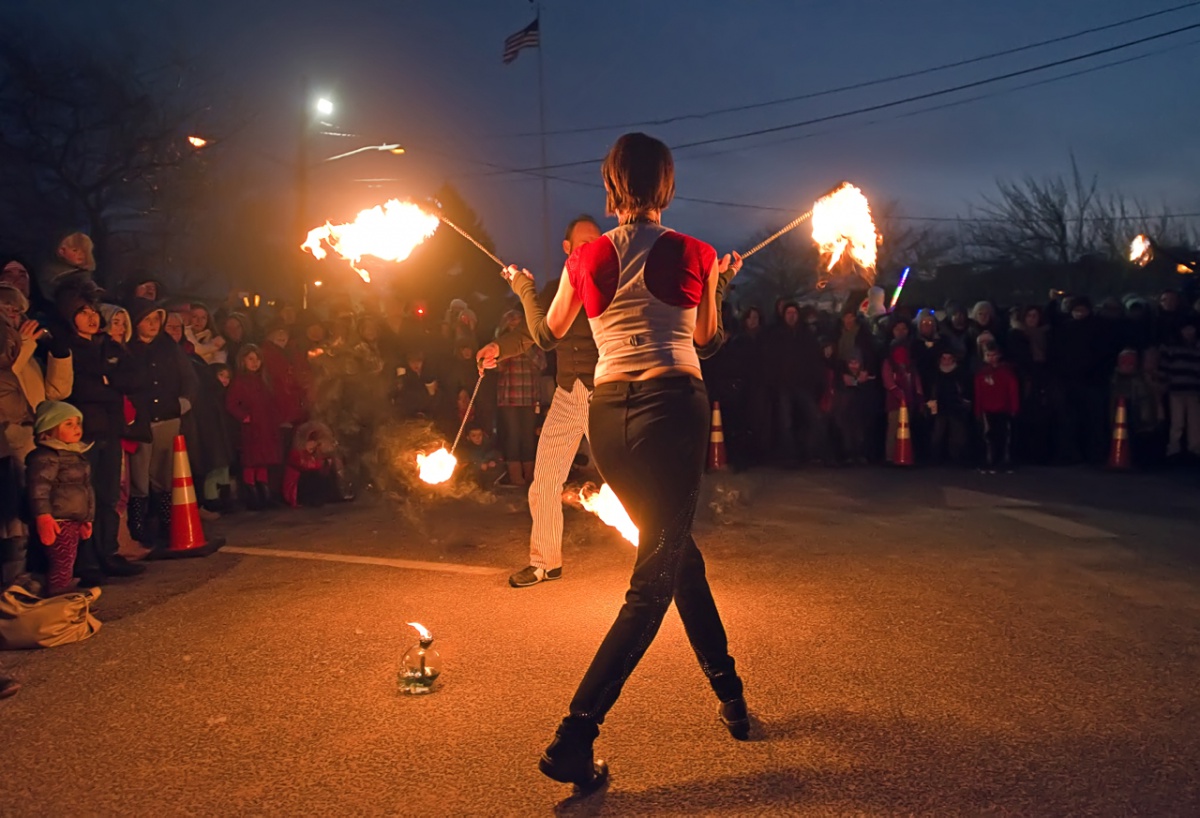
(265, 500)
(225, 503)
(162, 510)
(136, 517)
(569, 758)
(250, 497)
(736, 718)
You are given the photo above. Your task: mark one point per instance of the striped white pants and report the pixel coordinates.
(566, 423)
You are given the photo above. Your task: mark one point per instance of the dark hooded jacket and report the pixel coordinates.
(170, 386)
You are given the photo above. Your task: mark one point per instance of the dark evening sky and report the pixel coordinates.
(429, 75)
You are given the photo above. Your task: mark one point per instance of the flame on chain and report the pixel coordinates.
(390, 232)
(842, 224)
(605, 505)
(1141, 251)
(437, 467)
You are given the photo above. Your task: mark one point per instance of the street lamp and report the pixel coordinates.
(197, 141)
(396, 150)
(324, 106)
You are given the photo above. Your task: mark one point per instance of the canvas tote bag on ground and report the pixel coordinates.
(28, 621)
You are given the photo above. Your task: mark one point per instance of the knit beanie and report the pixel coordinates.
(109, 311)
(50, 413)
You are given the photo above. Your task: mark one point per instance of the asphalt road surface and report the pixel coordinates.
(925, 642)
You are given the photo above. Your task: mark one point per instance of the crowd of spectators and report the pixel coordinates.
(285, 406)
(984, 387)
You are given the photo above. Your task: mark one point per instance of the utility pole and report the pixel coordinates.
(549, 273)
(301, 225)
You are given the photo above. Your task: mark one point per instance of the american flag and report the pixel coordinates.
(525, 38)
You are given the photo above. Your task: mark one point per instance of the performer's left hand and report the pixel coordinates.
(512, 271)
(729, 261)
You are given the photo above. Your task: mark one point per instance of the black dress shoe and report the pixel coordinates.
(569, 759)
(736, 718)
(118, 566)
(92, 579)
(585, 781)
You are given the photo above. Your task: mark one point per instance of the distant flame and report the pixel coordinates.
(390, 232)
(605, 505)
(1141, 251)
(841, 223)
(197, 141)
(437, 467)
(422, 631)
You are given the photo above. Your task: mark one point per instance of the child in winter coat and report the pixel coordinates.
(311, 476)
(481, 461)
(1180, 365)
(1143, 412)
(903, 388)
(997, 401)
(856, 406)
(252, 405)
(60, 489)
(950, 405)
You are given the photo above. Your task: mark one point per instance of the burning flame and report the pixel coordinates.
(841, 223)
(605, 505)
(437, 467)
(1141, 251)
(422, 631)
(390, 232)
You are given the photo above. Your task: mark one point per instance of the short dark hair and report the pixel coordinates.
(639, 175)
(582, 218)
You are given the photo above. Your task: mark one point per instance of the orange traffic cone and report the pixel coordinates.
(716, 441)
(904, 452)
(1118, 455)
(187, 537)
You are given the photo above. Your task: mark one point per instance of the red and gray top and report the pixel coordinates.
(640, 285)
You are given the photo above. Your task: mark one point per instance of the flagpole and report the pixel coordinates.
(542, 130)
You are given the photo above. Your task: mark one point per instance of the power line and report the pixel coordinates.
(954, 103)
(883, 105)
(860, 85)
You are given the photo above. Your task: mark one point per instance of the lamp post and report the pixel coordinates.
(323, 107)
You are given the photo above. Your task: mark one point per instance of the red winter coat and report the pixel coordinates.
(287, 389)
(254, 408)
(902, 386)
(997, 390)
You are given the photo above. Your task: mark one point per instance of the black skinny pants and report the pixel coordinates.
(97, 553)
(649, 439)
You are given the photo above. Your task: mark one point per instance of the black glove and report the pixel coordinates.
(59, 340)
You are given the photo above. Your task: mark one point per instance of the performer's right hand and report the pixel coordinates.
(488, 356)
(512, 271)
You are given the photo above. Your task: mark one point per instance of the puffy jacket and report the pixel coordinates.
(60, 482)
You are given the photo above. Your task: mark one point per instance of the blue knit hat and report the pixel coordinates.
(50, 413)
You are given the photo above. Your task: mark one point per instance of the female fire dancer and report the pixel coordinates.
(653, 299)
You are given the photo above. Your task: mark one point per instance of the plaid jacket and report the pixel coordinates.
(519, 378)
